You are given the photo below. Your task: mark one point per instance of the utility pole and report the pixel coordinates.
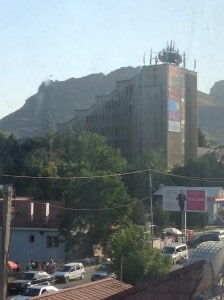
(151, 204)
(5, 237)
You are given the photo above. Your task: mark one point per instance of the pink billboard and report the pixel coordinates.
(196, 200)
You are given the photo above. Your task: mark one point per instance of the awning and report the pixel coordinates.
(12, 265)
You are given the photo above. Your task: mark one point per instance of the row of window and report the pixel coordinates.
(52, 241)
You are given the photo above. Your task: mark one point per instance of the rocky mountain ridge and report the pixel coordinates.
(56, 101)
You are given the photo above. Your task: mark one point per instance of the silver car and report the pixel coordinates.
(35, 290)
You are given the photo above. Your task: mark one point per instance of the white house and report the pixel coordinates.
(35, 233)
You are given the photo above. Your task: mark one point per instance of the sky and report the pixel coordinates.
(60, 39)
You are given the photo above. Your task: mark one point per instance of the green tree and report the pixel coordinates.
(98, 202)
(202, 142)
(139, 187)
(133, 255)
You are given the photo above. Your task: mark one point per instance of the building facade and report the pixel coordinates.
(35, 231)
(154, 111)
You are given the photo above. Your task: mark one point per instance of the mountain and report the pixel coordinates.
(56, 101)
(211, 112)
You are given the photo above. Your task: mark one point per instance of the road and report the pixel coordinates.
(86, 279)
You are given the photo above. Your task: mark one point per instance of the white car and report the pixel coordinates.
(35, 290)
(69, 272)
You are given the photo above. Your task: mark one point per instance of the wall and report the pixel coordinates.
(22, 249)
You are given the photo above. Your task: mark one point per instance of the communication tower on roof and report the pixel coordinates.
(169, 55)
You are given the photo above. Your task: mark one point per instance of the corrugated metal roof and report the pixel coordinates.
(97, 290)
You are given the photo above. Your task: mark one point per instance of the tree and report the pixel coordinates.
(139, 187)
(134, 259)
(202, 142)
(98, 202)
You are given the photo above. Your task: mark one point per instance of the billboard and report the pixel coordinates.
(174, 99)
(194, 199)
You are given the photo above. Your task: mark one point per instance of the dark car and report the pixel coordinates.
(104, 271)
(28, 278)
(204, 237)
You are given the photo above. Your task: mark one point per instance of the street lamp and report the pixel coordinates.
(151, 206)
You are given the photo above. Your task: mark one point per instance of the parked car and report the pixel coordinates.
(35, 290)
(104, 271)
(220, 233)
(176, 251)
(28, 278)
(203, 237)
(70, 271)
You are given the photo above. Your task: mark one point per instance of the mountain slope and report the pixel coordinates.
(211, 112)
(56, 101)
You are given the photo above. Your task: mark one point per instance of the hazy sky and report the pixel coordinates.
(60, 39)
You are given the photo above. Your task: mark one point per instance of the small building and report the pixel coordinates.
(35, 233)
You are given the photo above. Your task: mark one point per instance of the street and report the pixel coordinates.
(87, 278)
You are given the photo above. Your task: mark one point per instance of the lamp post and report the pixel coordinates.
(151, 206)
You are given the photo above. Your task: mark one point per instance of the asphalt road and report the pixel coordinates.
(86, 279)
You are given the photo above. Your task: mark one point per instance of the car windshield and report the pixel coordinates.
(103, 267)
(28, 276)
(168, 250)
(64, 269)
(31, 292)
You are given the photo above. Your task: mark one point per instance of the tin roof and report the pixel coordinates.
(97, 290)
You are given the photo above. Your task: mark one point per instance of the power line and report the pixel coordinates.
(73, 177)
(115, 175)
(95, 209)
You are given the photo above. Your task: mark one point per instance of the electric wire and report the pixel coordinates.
(207, 179)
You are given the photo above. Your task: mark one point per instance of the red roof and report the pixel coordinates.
(43, 214)
(97, 290)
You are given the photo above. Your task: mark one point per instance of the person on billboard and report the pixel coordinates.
(181, 200)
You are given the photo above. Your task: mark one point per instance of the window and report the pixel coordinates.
(32, 238)
(52, 242)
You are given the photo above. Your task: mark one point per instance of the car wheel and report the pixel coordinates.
(82, 276)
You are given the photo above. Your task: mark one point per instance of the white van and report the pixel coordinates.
(70, 271)
(177, 252)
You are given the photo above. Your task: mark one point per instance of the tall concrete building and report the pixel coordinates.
(154, 111)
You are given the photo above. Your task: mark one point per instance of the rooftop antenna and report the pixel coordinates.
(184, 60)
(194, 64)
(144, 59)
(170, 55)
(150, 61)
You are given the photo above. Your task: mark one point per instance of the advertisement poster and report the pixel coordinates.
(184, 198)
(174, 99)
